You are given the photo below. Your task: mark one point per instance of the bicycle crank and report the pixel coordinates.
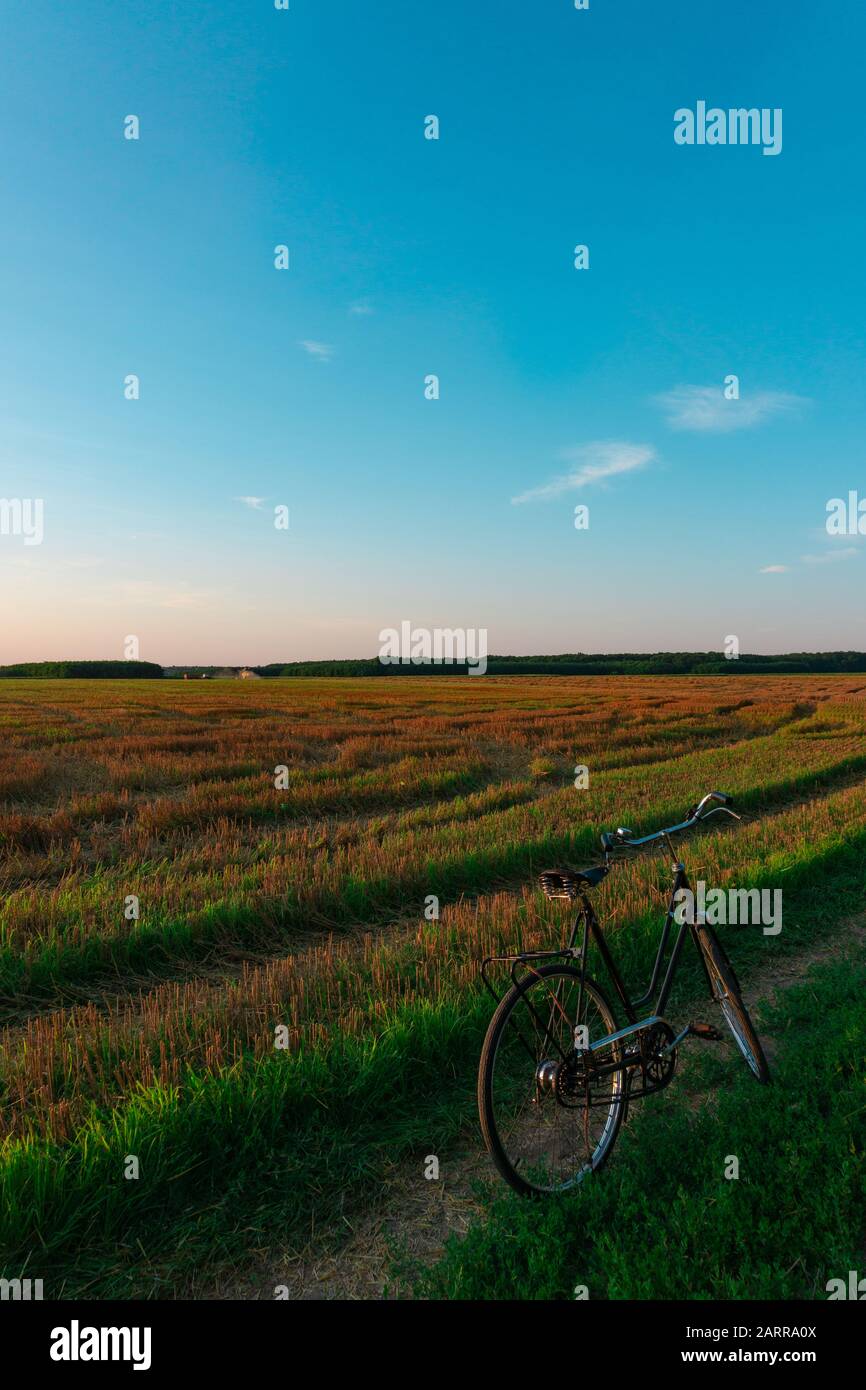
(696, 1030)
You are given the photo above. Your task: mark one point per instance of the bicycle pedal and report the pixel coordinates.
(705, 1031)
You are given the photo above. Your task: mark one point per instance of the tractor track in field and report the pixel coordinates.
(414, 1217)
(224, 962)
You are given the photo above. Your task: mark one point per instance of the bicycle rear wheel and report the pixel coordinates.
(725, 989)
(550, 1113)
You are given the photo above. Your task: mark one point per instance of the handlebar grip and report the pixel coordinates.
(724, 797)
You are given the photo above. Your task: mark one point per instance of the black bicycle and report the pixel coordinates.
(556, 1074)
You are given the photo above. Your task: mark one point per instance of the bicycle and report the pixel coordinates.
(550, 1121)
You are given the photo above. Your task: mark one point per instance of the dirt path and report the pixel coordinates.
(415, 1215)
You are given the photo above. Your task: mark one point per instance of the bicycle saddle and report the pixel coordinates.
(567, 883)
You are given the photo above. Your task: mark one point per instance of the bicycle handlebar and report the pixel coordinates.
(624, 839)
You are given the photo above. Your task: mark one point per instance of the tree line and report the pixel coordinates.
(567, 664)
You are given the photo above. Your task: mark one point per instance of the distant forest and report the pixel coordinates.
(568, 664)
(85, 670)
(583, 664)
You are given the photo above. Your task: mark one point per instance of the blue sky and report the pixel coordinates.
(411, 257)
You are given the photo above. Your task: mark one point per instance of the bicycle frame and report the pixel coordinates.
(592, 928)
(626, 840)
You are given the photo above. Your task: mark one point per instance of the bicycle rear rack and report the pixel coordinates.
(520, 958)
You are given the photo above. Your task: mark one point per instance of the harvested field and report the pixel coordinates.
(191, 872)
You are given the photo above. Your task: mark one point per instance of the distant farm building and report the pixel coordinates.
(227, 673)
(234, 673)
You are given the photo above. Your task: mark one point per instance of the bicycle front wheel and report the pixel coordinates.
(725, 989)
(550, 1111)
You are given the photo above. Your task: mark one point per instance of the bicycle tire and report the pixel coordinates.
(725, 989)
(490, 1129)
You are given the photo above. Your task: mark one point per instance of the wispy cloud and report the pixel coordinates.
(361, 307)
(254, 503)
(705, 408)
(831, 556)
(323, 352)
(592, 463)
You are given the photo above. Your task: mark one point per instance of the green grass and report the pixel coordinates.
(249, 1156)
